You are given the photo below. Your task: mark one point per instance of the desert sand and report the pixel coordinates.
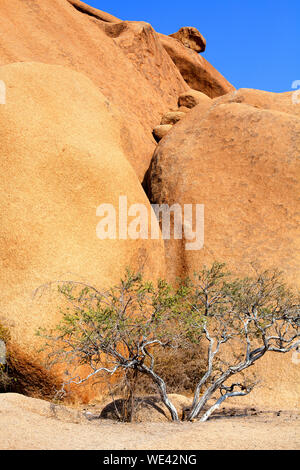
(30, 424)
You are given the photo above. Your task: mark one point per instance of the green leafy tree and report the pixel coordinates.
(231, 322)
(240, 320)
(117, 332)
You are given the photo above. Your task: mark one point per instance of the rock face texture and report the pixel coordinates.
(125, 60)
(94, 12)
(160, 131)
(65, 148)
(192, 98)
(263, 100)
(198, 73)
(191, 38)
(61, 157)
(233, 149)
(172, 117)
(88, 97)
(242, 162)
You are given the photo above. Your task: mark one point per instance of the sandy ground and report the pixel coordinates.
(27, 423)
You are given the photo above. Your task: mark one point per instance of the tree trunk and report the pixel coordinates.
(162, 391)
(197, 407)
(129, 402)
(220, 401)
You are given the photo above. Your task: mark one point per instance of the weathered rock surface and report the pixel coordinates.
(61, 157)
(160, 131)
(149, 409)
(93, 12)
(198, 73)
(235, 149)
(242, 163)
(70, 142)
(191, 38)
(263, 100)
(172, 117)
(192, 98)
(183, 109)
(125, 60)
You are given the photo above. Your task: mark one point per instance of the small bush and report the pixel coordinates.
(202, 336)
(181, 368)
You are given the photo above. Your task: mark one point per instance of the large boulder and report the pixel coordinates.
(191, 38)
(148, 409)
(172, 117)
(159, 132)
(61, 157)
(125, 60)
(242, 162)
(198, 73)
(260, 99)
(244, 175)
(94, 12)
(192, 98)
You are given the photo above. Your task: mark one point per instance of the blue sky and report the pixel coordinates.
(255, 44)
